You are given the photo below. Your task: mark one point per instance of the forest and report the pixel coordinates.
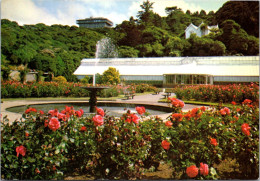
(58, 49)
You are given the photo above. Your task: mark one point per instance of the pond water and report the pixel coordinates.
(112, 109)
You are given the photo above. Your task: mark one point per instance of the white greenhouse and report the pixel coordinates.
(171, 71)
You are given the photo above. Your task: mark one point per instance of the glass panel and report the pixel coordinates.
(178, 79)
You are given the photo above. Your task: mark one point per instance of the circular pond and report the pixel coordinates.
(112, 109)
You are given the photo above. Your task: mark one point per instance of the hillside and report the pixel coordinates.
(59, 48)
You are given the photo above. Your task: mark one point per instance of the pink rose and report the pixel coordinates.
(204, 169)
(54, 112)
(20, 150)
(98, 120)
(62, 117)
(54, 124)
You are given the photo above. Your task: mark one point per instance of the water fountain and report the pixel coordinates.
(104, 49)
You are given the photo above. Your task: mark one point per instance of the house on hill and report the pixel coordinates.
(200, 30)
(98, 22)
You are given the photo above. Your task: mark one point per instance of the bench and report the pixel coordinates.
(130, 95)
(166, 95)
(156, 92)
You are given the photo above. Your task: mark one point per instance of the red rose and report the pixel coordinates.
(247, 101)
(245, 129)
(177, 117)
(98, 120)
(46, 122)
(62, 116)
(54, 124)
(41, 112)
(54, 112)
(37, 171)
(26, 134)
(20, 150)
(176, 102)
(203, 108)
(53, 168)
(196, 113)
(140, 110)
(168, 124)
(134, 118)
(213, 141)
(83, 128)
(30, 109)
(192, 171)
(79, 113)
(204, 169)
(233, 103)
(225, 111)
(166, 144)
(100, 111)
(187, 116)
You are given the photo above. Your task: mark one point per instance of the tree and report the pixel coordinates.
(126, 51)
(204, 47)
(236, 39)
(245, 13)
(203, 13)
(174, 45)
(146, 15)
(169, 10)
(111, 76)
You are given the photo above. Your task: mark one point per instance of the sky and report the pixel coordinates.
(66, 12)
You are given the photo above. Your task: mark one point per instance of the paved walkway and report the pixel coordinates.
(140, 99)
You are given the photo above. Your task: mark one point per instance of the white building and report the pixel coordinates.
(171, 71)
(200, 30)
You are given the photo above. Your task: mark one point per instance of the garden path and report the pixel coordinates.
(153, 99)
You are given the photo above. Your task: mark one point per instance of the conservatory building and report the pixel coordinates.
(172, 71)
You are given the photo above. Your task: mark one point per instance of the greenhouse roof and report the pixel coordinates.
(216, 66)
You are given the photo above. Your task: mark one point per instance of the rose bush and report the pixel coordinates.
(13, 89)
(53, 144)
(219, 93)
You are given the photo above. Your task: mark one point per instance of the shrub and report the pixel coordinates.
(59, 79)
(85, 80)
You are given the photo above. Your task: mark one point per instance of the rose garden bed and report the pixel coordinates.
(196, 144)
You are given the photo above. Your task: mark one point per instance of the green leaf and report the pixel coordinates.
(213, 171)
(30, 159)
(57, 151)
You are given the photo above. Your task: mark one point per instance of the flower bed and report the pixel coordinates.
(14, 89)
(54, 144)
(219, 93)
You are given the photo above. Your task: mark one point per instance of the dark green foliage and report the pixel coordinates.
(245, 13)
(60, 48)
(57, 48)
(237, 40)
